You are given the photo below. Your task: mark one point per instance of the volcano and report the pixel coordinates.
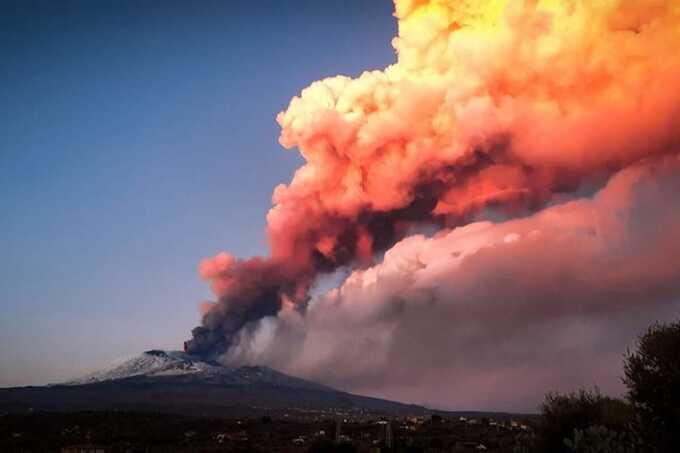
(179, 383)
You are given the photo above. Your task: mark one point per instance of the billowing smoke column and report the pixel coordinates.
(498, 104)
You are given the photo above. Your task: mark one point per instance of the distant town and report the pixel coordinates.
(323, 431)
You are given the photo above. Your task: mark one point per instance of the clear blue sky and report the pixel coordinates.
(137, 137)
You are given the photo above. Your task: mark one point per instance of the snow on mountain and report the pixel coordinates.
(158, 364)
(152, 363)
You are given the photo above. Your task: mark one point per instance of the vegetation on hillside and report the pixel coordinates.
(646, 421)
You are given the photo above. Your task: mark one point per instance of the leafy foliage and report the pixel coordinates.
(588, 422)
(565, 415)
(600, 439)
(652, 374)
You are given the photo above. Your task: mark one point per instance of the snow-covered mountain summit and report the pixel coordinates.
(185, 368)
(153, 363)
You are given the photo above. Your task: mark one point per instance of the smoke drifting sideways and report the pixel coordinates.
(500, 104)
(492, 315)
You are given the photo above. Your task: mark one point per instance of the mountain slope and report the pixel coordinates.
(158, 366)
(153, 363)
(175, 382)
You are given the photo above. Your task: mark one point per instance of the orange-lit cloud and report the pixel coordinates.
(502, 104)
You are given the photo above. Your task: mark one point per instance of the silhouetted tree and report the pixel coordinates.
(652, 374)
(565, 415)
